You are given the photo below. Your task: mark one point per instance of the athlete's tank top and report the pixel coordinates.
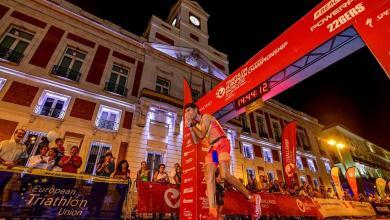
(215, 131)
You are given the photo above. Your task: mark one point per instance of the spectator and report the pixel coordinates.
(330, 194)
(40, 161)
(52, 165)
(262, 185)
(71, 163)
(361, 198)
(178, 175)
(172, 174)
(161, 176)
(143, 174)
(251, 186)
(302, 191)
(59, 144)
(122, 172)
(275, 187)
(11, 154)
(105, 167)
(347, 196)
(294, 190)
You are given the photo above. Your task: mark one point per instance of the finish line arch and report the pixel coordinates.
(329, 32)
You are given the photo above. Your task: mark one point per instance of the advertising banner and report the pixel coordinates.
(158, 198)
(382, 209)
(351, 177)
(289, 150)
(30, 193)
(380, 187)
(193, 187)
(333, 207)
(336, 181)
(322, 23)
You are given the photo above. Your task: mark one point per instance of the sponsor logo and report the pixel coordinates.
(173, 194)
(289, 169)
(186, 201)
(301, 205)
(188, 143)
(325, 8)
(188, 170)
(188, 161)
(187, 180)
(186, 153)
(257, 208)
(220, 93)
(188, 190)
(187, 213)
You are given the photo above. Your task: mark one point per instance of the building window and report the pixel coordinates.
(311, 165)
(70, 64)
(267, 155)
(108, 118)
(52, 104)
(161, 116)
(195, 94)
(271, 176)
(250, 173)
(14, 43)
(153, 160)
(316, 185)
(302, 179)
(277, 132)
(327, 167)
(163, 85)
(2, 83)
(247, 150)
(33, 141)
(118, 80)
(302, 141)
(261, 127)
(299, 163)
(96, 153)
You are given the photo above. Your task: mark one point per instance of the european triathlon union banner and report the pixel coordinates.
(35, 193)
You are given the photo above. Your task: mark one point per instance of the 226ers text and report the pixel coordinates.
(351, 13)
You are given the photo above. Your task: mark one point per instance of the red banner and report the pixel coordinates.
(159, 198)
(319, 25)
(193, 201)
(289, 151)
(351, 177)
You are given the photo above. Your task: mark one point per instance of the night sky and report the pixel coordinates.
(354, 92)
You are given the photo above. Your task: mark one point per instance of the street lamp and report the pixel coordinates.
(339, 146)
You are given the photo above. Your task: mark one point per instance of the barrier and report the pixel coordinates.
(30, 193)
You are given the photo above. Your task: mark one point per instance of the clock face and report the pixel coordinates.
(174, 22)
(194, 20)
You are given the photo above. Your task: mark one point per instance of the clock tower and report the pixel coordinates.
(191, 20)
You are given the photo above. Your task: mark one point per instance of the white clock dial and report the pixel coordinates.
(194, 20)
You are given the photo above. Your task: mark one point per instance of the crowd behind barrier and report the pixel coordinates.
(50, 161)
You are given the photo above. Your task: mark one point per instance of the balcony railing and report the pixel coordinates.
(51, 112)
(66, 73)
(106, 124)
(10, 55)
(115, 88)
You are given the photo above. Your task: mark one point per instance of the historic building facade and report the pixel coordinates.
(371, 160)
(102, 88)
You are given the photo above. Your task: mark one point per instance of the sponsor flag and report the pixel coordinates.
(351, 177)
(380, 187)
(335, 172)
(289, 151)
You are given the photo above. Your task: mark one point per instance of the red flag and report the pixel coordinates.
(351, 177)
(289, 149)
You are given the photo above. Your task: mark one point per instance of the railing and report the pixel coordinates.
(263, 134)
(51, 112)
(66, 73)
(116, 88)
(106, 124)
(10, 55)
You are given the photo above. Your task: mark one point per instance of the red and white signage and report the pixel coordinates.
(289, 151)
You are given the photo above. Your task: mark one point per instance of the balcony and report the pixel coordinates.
(10, 55)
(51, 112)
(66, 73)
(263, 134)
(116, 88)
(106, 124)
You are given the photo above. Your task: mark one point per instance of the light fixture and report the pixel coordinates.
(331, 142)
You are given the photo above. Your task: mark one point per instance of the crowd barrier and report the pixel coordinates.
(165, 198)
(30, 193)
